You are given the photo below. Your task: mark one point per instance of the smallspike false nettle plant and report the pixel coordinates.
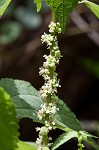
(19, 99)
(49, 89)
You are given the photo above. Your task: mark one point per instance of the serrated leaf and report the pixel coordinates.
(26, 146)
(38, 4)
(62, 9)
(26, 98)
(93, 7)
(27, 102)
(3, 5)
(50, 3)
(63, 139)
(62, 14)
(8, 123)
(66, 118)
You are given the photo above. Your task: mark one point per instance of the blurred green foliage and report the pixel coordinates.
(91, 66)
(9, 32)
(18, 17)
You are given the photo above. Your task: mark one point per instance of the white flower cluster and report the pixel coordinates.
(54, 27)
(49, 89)
(49, 38)
(47, 109)
(41, 141)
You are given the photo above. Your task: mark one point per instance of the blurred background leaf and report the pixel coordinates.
(91, 66)
(28, 18)
(9, 32)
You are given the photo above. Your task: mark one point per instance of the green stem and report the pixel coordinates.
(80, 145)
(53, 16)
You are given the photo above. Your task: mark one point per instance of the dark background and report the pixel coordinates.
(21, 55)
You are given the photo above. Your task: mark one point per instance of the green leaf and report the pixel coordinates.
(26, 98)
(91, 142)
(2, 2)
(27, 102)
(38, 4)
(62, 14)
(62, 9)
(33, 144)
(9, 32)
(64, 138)
(92, 6)
(75, 134)
(85, 134)
(3, 5)
(89, 139)
(50, 3)
(26, 146)
(8, 123)
(66, 118)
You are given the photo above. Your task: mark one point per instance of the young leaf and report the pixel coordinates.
(3, 5)
(64, 138)
(26, 146)
(91, 142)
(92, 6)
(89, 139)
(50, 3)
(62, 9)
(27, 102)
(8, 123)
(38, 4)
(62, 14)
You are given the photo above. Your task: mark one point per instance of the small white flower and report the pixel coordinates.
(46, 64)
(43, 131)
(59, 30)
(50, 127)
(51, 31)
(37, 128)
(38, 141)
(41, 71)
(43, 96)
(45, 56)
(52, 64)
(53, 110)
(53, 123)
(50, 138)
(39, 116)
